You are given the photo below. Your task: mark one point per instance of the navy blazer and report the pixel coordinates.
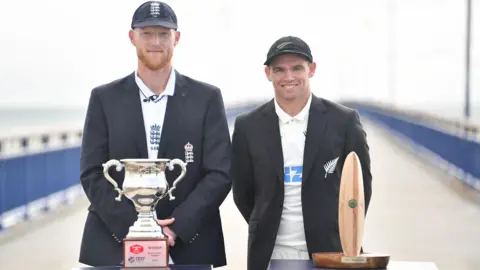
(114, 129)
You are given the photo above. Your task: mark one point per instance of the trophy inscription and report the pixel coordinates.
(145, 184)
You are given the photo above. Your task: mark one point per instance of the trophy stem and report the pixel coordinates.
(145, 227)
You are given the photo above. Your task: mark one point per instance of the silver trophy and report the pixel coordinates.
(145, 185)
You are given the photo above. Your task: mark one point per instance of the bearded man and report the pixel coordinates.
(156, 112)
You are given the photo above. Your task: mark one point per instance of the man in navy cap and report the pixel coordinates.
(288, 156)
(156, 112)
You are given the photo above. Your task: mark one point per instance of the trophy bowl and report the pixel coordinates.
(145, 184)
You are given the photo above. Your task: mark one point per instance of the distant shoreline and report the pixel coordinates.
(14, 119)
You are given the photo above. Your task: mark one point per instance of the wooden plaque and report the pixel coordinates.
(145, 253)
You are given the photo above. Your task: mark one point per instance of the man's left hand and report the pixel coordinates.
(167, 231)
(171, 235)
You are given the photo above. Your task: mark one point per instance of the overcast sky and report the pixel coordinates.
(54, 52)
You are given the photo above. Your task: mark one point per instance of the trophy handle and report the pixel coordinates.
(183, 166)
(106, 167)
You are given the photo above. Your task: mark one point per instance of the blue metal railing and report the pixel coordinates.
(37, 181)
(32, 181)
(453, 143)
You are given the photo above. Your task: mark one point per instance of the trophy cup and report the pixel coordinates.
(351, 219)
(145, 184)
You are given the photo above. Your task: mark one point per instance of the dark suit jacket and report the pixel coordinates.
(258, 186)
(114, 129)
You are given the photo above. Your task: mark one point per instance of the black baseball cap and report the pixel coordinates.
(154, 13)
(289, 44)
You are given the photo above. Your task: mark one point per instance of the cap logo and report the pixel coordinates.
(155, 9)
(282, 45)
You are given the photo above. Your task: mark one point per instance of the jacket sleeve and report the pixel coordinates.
(242, 172)
(357, 142)
(117, 216)
(212, 190)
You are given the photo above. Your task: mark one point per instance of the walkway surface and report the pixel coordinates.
(414, 216)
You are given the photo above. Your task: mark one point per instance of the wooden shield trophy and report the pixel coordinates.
(351, 220)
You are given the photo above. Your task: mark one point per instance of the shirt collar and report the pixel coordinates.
(301, 116)
(169, 88)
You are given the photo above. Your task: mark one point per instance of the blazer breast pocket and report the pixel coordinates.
(332, 154)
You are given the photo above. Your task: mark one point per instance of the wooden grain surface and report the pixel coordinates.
(351, 208)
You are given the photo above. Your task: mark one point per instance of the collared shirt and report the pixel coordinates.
(154, 112)
(291, 233)
(154, 115)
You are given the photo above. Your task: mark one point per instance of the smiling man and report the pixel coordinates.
(288, 156)
(156, 112)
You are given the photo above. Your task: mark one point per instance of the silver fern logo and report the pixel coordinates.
(330, 166)
(282, 45)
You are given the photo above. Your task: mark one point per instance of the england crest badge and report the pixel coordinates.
(188, 153)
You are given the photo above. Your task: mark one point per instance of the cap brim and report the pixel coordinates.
(270, 59)
(151, 23)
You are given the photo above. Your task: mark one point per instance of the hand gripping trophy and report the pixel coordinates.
(145, 184)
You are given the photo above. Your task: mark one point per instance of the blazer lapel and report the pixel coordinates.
(316, 133)
(173, 113)
(271, 137)
(134, 116)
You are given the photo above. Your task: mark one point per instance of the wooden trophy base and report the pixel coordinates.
(337, 260)
(145, 253)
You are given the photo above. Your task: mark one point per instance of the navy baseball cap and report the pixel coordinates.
(289, 44)
(154, 13)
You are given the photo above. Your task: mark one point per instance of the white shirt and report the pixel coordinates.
(154, 112)
(291, 233)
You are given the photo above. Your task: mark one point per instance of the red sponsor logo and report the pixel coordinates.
(136, 249)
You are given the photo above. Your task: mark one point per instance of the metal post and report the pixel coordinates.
(467, 59)
(391, 52)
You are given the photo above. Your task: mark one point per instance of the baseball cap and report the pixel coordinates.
(154, 13)
(289, 44)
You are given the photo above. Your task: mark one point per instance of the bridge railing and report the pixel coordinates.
(453, 146)
(40, 171)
